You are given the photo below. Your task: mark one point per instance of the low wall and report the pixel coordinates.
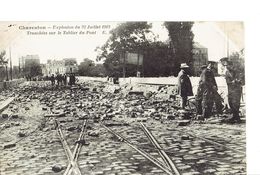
(171, 81)
(166, 80)
(82, 79)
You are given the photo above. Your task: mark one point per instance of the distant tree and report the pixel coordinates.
(181, 40)
(3, 63)
(98, 70)
(157, 60)
(85, 66)
(16, 72)
(238, 61)
(88, 68)
(129, 36)
(33, 69)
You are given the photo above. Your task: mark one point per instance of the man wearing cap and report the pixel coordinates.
(206, 91)
(184, 84)
(234, 81)
(199, 95)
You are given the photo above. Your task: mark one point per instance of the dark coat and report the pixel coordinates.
(184, 84)
(234, 83)
(206, 84)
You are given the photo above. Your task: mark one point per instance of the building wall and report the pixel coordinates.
(65, 66)
(200, 57)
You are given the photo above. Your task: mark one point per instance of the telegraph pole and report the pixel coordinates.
(137, 63)
(227, 40)
(6, 71)
(227, 46)
(124, 59)
(11, 66)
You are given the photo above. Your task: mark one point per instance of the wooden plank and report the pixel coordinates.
(6, 103)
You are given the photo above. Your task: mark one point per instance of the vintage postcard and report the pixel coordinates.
(139, 97)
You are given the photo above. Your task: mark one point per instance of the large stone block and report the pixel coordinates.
(8, 145)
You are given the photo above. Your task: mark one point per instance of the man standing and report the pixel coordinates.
(52, 78)
(65, 79)
(72, 79)
(184, 85)
(199, 95)
(59, 79)
(206, 91)
(234, 83)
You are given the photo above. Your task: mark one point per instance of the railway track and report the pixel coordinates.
(168, 166)
(159, 164)
(72, 157)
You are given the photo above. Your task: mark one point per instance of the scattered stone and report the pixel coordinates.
(7, 125)
(135, 93)
(83, 142)
(157, 116)
(183, 122)
(94, 161)
(93, 133)
(148, 94)
(185, 137)
(21, 134)
(56, 115)
(172, 96)
(9, 145)
(170, 117)
(237, 161)
(116, 91)
(5, 115)
(32, 156)
(184, 114)
(45, 129)
(143, 119)
(94, 89)
(16, 124)
(116, 123)
(57, 168)
(199, 117)
(72, 128)
(210, 171)
(15, 116)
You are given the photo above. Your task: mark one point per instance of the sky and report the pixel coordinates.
(14, 36)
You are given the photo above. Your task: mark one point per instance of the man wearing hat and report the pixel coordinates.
(184, 85)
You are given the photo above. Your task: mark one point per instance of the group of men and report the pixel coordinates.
(207, 93)
(62, 79)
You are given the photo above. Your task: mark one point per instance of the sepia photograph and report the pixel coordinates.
(122, 98)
